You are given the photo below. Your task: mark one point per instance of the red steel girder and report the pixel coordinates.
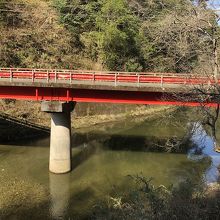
(91, 95)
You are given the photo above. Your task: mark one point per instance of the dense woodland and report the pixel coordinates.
(134, 35)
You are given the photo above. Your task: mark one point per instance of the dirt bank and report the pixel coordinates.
(84, 115)
(24, 120)
(140, 113)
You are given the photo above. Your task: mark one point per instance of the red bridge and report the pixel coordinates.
(69, 86)
(98, 86)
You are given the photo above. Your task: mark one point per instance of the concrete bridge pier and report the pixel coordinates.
(60, 136)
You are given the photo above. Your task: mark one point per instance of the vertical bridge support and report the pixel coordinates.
(60, 135)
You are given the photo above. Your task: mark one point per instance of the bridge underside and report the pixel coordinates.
(91, 95)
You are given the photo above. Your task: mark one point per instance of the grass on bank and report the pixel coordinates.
(188, 200)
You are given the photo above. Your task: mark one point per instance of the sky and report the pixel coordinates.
(215, 4)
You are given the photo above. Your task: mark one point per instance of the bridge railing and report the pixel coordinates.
(74, 76)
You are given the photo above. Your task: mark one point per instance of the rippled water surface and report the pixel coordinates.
(103, 159)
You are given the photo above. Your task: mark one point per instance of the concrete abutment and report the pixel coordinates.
(60, 136)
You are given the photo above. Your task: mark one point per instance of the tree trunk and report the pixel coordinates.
(215, 57)
(216, 144)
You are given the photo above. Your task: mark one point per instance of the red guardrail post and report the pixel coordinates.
(32, 75)
(138, 80)
(55, 76)
(162, 81)
(11, 75)
(115, 79)
(185, 78)
(48, 76)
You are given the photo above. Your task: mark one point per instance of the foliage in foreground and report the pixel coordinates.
(187, 201)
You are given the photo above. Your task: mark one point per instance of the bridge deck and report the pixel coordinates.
(83, 79)
(93, 86)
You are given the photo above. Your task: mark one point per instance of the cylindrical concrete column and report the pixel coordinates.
(60, 143)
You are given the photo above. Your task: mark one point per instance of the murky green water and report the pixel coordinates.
(102, 163)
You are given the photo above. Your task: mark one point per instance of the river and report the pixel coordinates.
(104, 158)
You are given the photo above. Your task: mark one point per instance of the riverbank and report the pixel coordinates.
(138, 115)
(189, 200)
(21, 114)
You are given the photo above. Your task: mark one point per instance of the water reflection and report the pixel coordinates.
(59, 195)
(99, 171)
(204, 144)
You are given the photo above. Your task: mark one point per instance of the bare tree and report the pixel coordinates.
(192, 36)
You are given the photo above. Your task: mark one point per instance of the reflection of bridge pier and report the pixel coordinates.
(59, 194)
(60, 137)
